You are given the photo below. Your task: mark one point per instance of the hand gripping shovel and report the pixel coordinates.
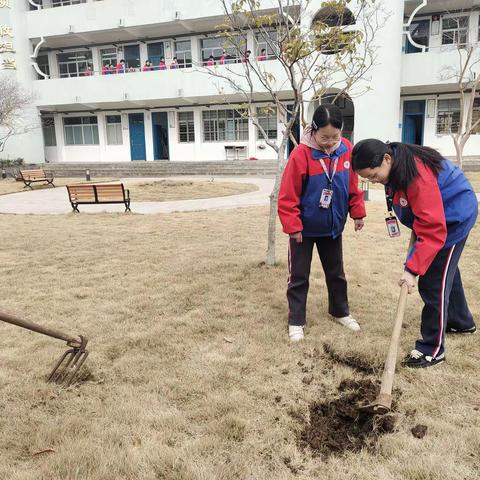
(70, 362)
(383, 403)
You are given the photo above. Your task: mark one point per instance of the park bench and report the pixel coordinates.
(33, 176)
(89, 194)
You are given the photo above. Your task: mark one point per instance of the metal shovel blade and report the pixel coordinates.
(380, 406)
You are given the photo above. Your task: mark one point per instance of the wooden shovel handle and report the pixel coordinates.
(391, 360)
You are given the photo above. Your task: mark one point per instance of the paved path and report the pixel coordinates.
(54, 201)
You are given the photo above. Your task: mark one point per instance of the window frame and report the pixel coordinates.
(80, 128)
(446, 121)
(182, 56)
(80, 70)
(48, 125)
(260, 44)
(118, 131)
(268, 119)
(225, 122)
(456, 31)
(189, 125)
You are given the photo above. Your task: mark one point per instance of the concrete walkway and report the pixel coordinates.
(54, 201)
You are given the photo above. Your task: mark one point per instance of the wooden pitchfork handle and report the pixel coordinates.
(34, 327)
(383, 402)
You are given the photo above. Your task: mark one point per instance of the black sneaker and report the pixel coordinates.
(417, 359)
(459, 331)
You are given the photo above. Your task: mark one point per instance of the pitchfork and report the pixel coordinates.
(70, 362)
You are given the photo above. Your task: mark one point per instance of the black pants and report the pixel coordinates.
(299, 262)
(441, 290)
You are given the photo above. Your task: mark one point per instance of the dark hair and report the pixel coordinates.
(327, 114)
(370, 153)
(122, 60)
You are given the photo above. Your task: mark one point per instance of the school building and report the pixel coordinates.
(89, 107)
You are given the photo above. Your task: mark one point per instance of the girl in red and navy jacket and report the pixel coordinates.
(317, 192)
(434, 198)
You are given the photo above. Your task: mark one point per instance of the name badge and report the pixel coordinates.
(326, 198)
(392, 226)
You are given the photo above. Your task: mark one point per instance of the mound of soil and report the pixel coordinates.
(337, 426)
(419, 431)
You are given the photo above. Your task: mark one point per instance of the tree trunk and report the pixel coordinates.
(272, 219)
(459, 150)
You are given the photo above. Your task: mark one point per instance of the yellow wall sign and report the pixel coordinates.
(6, 32)
(4, 3)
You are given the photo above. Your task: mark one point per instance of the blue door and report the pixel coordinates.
(160, 135)
(413, 121)
(137, 136)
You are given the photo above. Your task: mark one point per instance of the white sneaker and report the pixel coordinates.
(295, 333)
(348, 322)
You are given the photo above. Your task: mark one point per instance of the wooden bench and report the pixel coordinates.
(33, 176)
(89, 194)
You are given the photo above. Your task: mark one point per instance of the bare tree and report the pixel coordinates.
(13, 101)
(466, 75)
(335, 53)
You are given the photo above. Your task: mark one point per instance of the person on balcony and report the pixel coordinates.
(223, 58)
(162, 65)
(210, 61)
(263, 55)
(174, 63)
(106, 69)
(148, 66)
(120, 68)
(246, 57)
(88, 72)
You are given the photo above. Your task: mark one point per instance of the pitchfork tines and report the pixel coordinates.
(70, 362)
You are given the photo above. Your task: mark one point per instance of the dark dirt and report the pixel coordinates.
(359, 364)
(419, 431)
(337, 426)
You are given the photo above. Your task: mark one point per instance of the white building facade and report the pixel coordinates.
(89, 107)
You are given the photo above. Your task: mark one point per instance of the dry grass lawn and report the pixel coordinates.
(168, 190)
(191, 376)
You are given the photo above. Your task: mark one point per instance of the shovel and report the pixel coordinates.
(383, 403)
(70, 362)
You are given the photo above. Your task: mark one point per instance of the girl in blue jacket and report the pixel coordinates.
(432, 196)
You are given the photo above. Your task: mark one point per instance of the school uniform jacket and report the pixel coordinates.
(441, 210)
(302, 184)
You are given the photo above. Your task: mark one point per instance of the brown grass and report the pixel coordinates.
(191, 376)
(168, 190)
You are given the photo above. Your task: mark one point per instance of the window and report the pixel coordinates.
(108, 55)
(73, 64)
(42, 62)
(183, 52)
(155, 52)
(186, 127)
(215, 47)
(267, 118)
(114, 130)
(221, 125)
(48, 128)
(267, 40)
(420, 33)
(62, 3)
(448, 116)
(81, 130)
(454, 30)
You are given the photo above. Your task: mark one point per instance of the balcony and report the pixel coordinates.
(153, 89)
(431, 72)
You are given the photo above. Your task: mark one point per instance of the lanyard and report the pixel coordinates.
(327, 172)
(389, 198)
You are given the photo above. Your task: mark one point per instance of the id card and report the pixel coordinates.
(326, 198)
(392, 226)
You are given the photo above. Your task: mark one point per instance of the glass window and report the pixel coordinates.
(448, 115)
(183, 52)
(267, 118)
(186, 127)
(132, 57)
(81, 130)
(64, 3)
(48, 128)
(114, 130)
(73, 64)
(155, 52)
(420, 33)
(42, 62)
(215, 46)
(108, 55)
(221, 125)
(455, 30)
(267, 40)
